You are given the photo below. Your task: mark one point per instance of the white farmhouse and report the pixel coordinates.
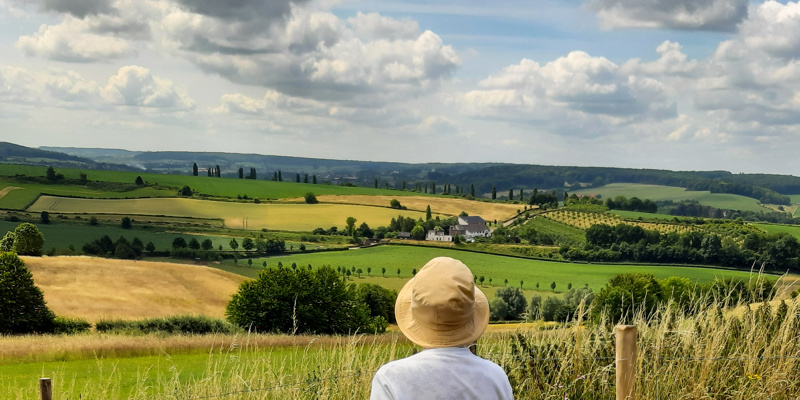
(470, 228)
(438, 236)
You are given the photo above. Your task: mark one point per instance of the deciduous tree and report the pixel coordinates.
(22, 305)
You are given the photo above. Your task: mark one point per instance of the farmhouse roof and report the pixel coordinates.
(471, 220)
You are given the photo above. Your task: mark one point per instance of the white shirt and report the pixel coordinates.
(446, 373)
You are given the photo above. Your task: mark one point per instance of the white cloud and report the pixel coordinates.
(74, 41)
(136, 86)
(17, 85)
(78, 8)
(714, 15)
(374, 26)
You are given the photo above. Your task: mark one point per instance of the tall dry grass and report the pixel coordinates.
(707, 354)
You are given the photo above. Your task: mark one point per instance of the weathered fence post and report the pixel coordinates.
(626, 361)
(46, 388)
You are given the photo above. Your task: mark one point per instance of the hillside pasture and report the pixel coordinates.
(642, 215)
(659, 193)
(97, 288)
(20, 195)
(220, 187)
(496, 267)
(793, 230)
(285, 217)
(439, 205)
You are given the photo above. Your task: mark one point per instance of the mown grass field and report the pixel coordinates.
(439, 205)
(498, 268)
(20, 195)
(222, 187)
(793, 230)
(96, 288)
(657, 192)
(288, 217)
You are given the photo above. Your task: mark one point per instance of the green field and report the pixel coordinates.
(18, 199)
(287, 217)
(222, 187)
(61, 236)
(658, 193)
(498, 268)
(796, 200)
(793, 230)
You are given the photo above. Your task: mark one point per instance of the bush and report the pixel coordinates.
(71, 326)
(28, 241)
(310, 198)
(187, 324)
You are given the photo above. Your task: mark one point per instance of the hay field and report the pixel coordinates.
(284, 217)
(96, 288)
(439, 205)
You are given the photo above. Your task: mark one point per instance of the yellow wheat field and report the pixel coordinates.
(439, 205)
(97, 288)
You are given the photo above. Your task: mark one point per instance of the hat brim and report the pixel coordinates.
(427, 337)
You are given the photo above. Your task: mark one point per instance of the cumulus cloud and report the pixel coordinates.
(86, 40)
(713, 15)
(774, 28)
(241, 10)
(136, 86)
(566, 93)
(376, 26)
(17, 85)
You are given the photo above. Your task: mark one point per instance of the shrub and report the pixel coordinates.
(187, 324)
(28, 241)
(310, 198)
(71, 326)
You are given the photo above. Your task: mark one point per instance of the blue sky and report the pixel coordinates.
(673, 84)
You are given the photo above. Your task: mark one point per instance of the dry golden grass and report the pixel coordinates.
(97, 288)
(439, 205)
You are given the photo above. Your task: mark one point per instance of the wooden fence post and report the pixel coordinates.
(626, 361)
(46, 388)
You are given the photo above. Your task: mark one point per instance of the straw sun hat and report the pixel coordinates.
(441, 307)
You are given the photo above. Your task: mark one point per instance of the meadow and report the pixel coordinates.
(793, 230)
(21, 195)
(61, 236)
(289, 217)
(658, 193)
(220, 187)
(496, 267)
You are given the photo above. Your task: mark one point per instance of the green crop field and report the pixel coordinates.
(20, 195)
(62, 236)
(222, 187)
(498, 268)
(793, 230)
(657, 193)
(289, 217)
(796, 200)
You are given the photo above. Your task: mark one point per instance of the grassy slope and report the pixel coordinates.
(294, 217)
(18, 199)
(223, 187)
(796, 200)
(793, 230)
(498, 268)
(95, 288)
(62, 235)
(656, 193)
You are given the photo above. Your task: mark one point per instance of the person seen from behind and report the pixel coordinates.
(441, 310)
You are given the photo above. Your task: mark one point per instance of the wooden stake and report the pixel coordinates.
(626, 361)
(46, 388)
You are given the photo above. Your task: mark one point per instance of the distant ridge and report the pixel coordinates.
(11, 153)
(466, 177)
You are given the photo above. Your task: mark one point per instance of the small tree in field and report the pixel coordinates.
(125, 223)
(553, 286)
(248, 244)
(28, 241)
(194, 244)
(234, 244)
(207, 245)
(44, 217)
(310, 198)
(22, 305)
(383, 272)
